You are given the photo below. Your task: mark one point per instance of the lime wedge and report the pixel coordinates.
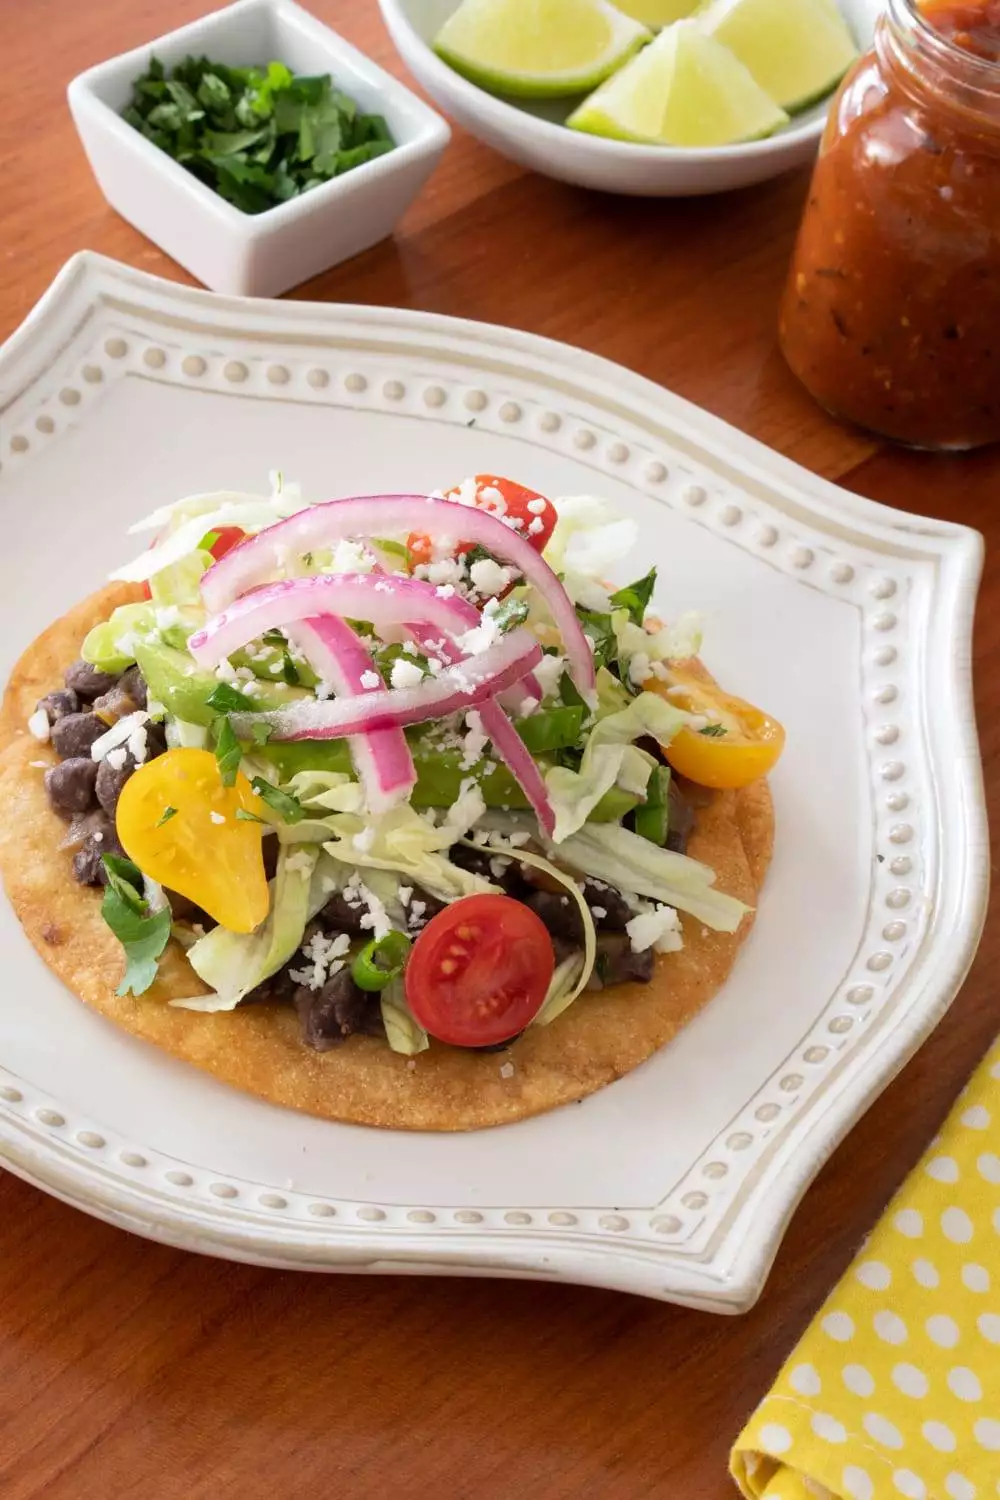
(657, 13)
(797, 50)
(538, 49)
(683, 90)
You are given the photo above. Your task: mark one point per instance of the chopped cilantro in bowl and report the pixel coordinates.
(256, 136)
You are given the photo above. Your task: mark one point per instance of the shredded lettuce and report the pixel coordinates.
(174, 516)
(403, 1031)
(610, 754)
(608, 852)
(249, 514)
(591, 537)
(403, 841)
(234, 963)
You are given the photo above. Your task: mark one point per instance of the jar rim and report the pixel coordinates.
(909, 22)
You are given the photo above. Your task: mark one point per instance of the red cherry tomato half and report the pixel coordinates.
(517, 502)
(479, 971)
(226, 538)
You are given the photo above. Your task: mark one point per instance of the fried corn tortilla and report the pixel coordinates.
(257, 1048)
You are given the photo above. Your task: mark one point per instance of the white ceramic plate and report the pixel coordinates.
(851, 622)
(533, 133)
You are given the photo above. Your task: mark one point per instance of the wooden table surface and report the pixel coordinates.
(128, 1369)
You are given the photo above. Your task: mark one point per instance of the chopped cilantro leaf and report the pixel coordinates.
(257, 136)
(568, 692)
(142, 934)
(243, 815)
(168, 813)
(260, 733)
(510, 612)
(283, 803)
(713, 730)
(388, 655)
(228, 753)
(290, 671)
(635, 597)
(229, 700)
(601, 634)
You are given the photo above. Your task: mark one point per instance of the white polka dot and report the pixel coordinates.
(805, 1380)
(942, 1330)
(890, 1327)
(957, 1226)
(909, 1380)
(960, 1488)
(774, 1438)
(882, 1430)
(909, 1484)
(989, 1166)
(977, 1118)
(926, 1273)
(940, 1437)
(873, 1274)
(827, 1427)
(964, 1383)
(857, 1483)
(989, 1326)
(910, 1223)
(943, 1169)
(838, 1326)
(976, 1278)
(858, 1380)
(987, 1433)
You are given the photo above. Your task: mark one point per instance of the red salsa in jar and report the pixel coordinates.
(891, 313)
(974, 28)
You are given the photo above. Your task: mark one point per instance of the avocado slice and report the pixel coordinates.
(174, 680)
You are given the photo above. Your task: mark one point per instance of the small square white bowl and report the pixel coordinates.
(257, 255)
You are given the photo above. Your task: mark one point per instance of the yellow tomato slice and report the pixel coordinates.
(742, 742)
(200, 848)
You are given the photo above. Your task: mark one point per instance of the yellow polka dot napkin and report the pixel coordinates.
(894, 1390)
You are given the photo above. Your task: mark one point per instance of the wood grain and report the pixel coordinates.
(131, 1370)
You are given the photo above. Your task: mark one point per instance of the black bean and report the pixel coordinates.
(111, 780)
(74, 734)
(279, 987)
(478, 862)
(58, 704)
(115, 704)
(70, 784)
(616, 962)
(87, 681)
(271, 849)
(427, 906)
(135, 685)
(88, 868)
(610, 910)
(156, 740)
(560, 914)
(339, 1010)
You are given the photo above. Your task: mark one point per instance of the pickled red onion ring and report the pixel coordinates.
(255, 559)
(463, 685)
(381, 757)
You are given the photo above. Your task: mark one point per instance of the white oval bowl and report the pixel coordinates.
(533, 134)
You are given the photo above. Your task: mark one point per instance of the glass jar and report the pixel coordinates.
(891, 313)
